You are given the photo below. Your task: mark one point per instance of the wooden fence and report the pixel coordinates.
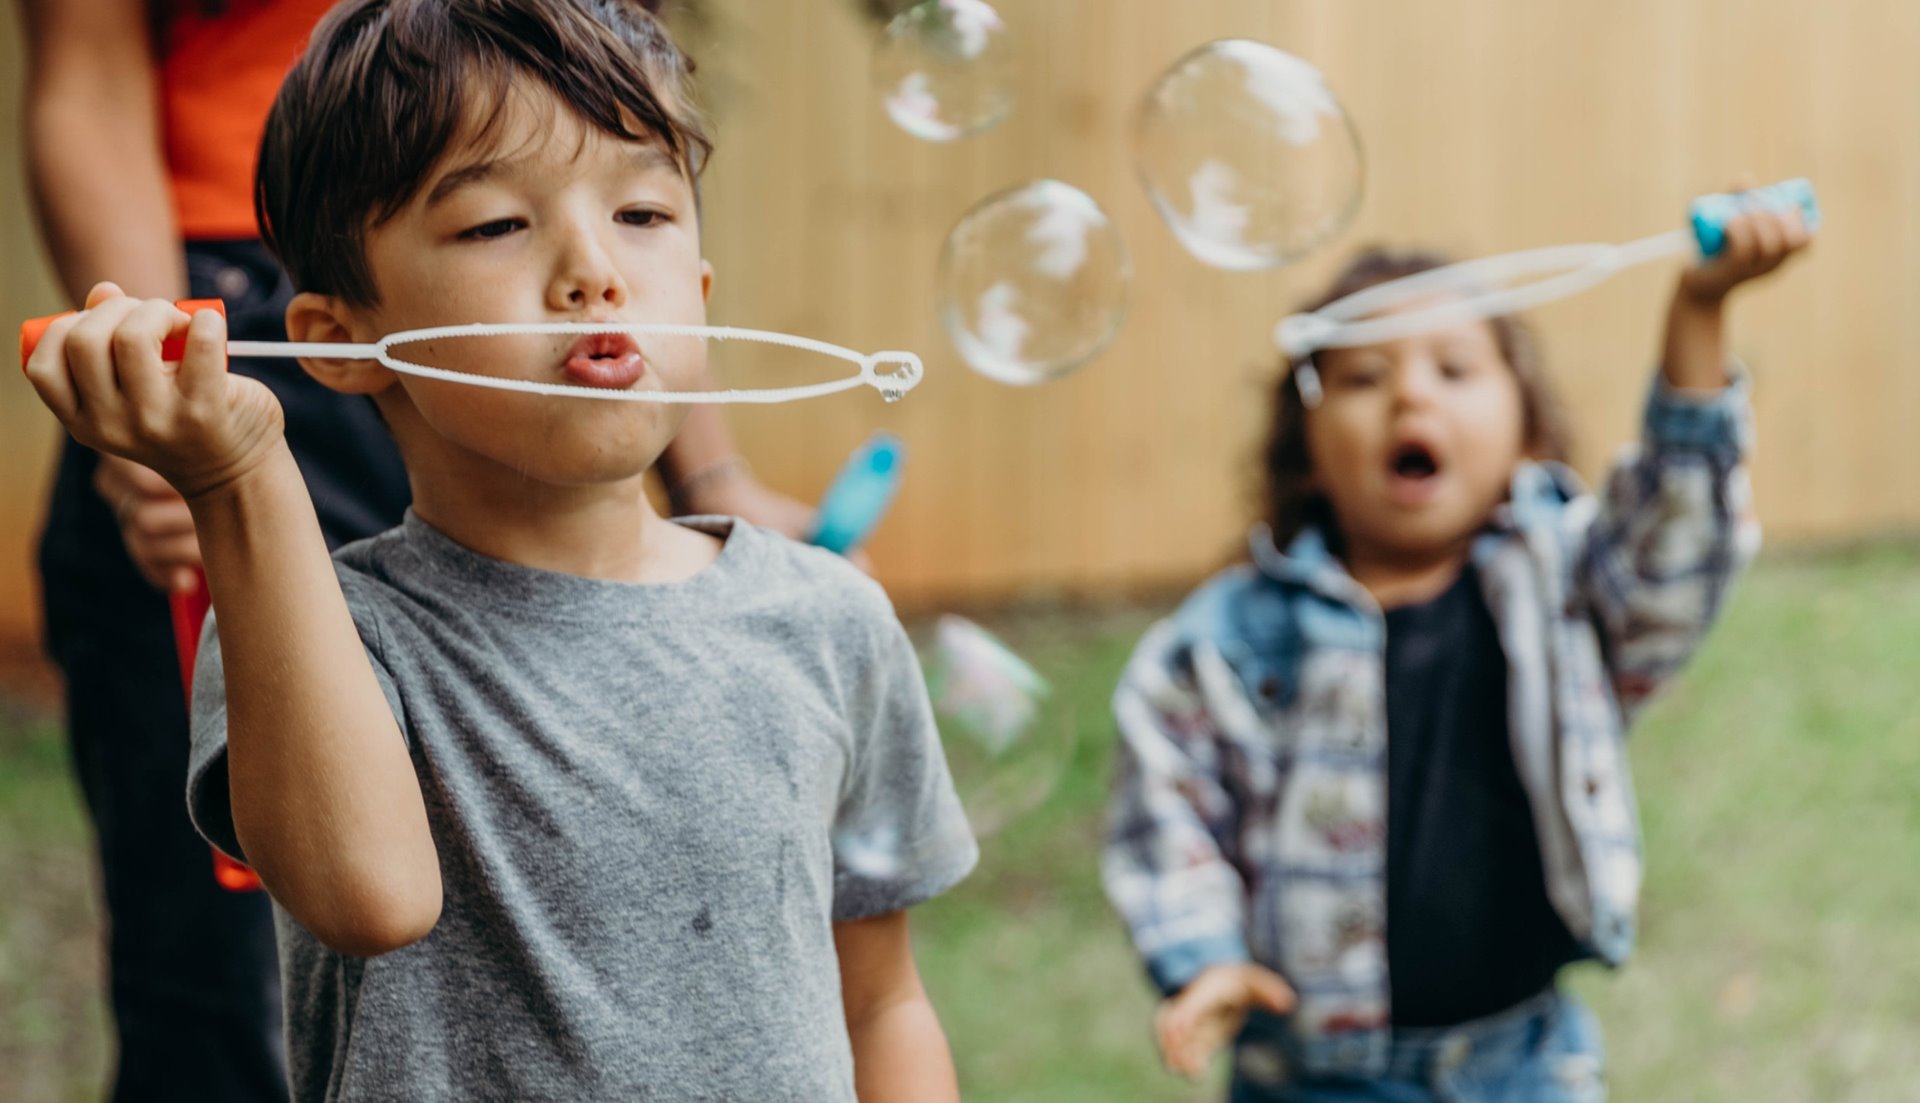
(1488, 125)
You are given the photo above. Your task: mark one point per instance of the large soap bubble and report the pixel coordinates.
(944, 69)
(1248, 155)
(1033, 283)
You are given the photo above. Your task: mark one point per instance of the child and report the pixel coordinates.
(1372, 789)
(544, 785)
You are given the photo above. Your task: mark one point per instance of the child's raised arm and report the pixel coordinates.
(325, 802)
(1675, 522)
(1756, 243)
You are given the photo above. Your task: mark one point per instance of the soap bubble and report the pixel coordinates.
(944, 69)
(1007, 736)
(1033, 283)
(1248, 155)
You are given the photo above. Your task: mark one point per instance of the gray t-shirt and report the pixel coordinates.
(650, 803)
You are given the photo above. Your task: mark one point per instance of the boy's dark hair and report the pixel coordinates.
(385, 87)
(1292, 503)
(211, 9)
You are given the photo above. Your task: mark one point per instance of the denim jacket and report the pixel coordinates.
(1248, 820)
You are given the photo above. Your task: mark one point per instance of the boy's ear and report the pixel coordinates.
(706, 279)
(323, 318)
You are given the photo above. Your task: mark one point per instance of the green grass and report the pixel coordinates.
(52, 1022)
(1780, 950)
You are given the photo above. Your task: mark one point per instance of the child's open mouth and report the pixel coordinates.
(1413, 472)
(1415, 461)
(608, 360)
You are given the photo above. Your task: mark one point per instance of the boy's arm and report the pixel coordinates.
(324, 798)
(899, 1050)
(1170, 813)
(1675, 523)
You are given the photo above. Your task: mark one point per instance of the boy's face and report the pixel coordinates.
(548, 220)
(1416, 441)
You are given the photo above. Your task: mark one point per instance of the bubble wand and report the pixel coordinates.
(1362, 318)
(905, 374)
(854, 505)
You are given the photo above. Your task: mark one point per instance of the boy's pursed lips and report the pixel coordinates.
(608, 360)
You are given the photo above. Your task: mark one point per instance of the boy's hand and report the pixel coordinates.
(1758, 242)
(1193, 1024)
(100, 373)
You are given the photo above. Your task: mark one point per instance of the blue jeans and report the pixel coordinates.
(1546, 1050)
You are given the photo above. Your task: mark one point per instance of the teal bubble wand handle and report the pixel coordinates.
(860, 494)
(1711, 213)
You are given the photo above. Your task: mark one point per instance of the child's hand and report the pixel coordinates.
(100, 373)
(1758, 242)
(1192, 1025)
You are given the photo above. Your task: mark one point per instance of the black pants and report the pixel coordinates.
(194, 982)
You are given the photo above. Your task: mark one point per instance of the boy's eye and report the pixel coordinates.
(1360, 377)
(643, 217)
(487, 231)
(1453, 369)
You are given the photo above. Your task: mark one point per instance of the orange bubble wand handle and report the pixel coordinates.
(188, 608)
(173, 348)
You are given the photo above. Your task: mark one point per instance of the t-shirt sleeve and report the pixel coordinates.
(208, 798)
(900, 834)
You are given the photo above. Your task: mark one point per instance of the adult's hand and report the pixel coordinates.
(154, 522)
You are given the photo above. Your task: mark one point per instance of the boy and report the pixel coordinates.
(544, 785)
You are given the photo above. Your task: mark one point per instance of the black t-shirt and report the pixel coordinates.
(1470, 931)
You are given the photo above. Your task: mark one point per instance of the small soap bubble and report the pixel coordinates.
(874, 851)
(1248, 155)
(944, 69)
(1007, 735)
(1032, 283)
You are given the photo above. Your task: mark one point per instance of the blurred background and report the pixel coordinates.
(1780, 782)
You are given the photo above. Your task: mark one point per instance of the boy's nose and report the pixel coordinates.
(587, 277)
(604, 291)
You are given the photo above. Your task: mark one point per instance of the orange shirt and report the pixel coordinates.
(218, 77)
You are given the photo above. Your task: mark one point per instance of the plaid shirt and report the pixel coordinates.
(1248, 820)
